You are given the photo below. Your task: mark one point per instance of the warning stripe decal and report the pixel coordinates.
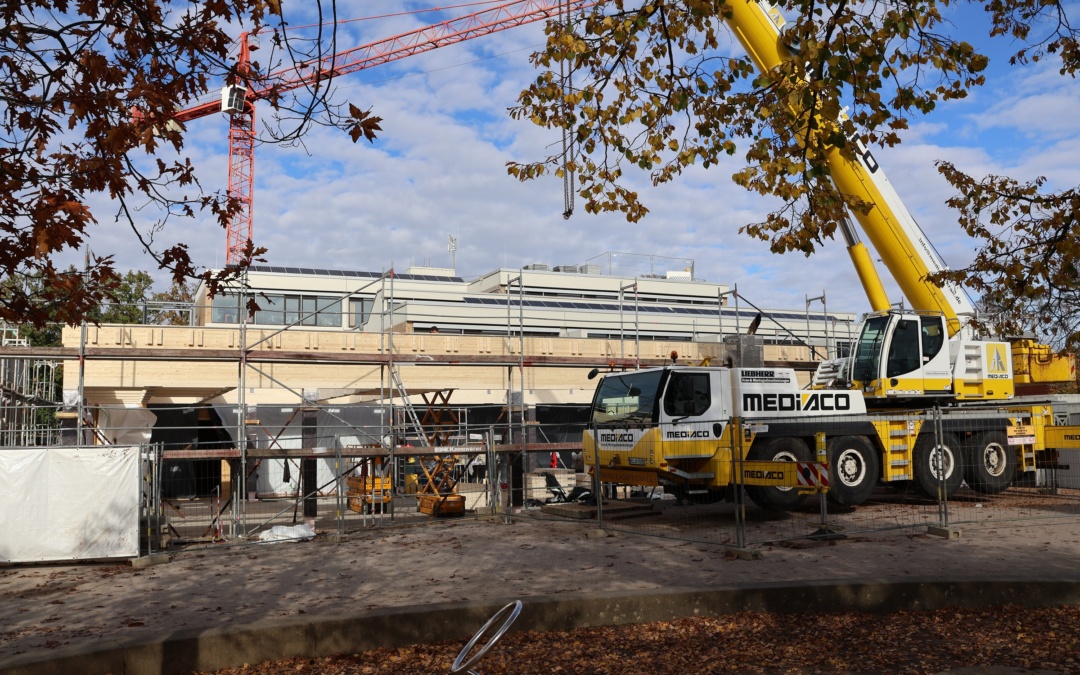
(813, 474)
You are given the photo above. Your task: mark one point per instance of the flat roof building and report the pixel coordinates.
(567, 302)
(523, 336)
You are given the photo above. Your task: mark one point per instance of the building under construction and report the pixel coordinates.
(339, 370)
(524, 338)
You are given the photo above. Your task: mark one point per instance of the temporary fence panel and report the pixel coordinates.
(959, 467)
(280, 477)
(1005, 476)
(731, 485)
(69, 503)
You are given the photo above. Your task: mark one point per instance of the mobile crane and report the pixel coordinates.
(929, 352)
(703, 429)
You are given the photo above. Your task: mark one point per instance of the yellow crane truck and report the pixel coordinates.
(701, 429)
(870, 417)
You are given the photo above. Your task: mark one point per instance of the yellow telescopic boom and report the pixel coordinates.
(895, 235)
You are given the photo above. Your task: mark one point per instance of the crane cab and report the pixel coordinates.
(684, 396)
(904, 355)
(669, 424)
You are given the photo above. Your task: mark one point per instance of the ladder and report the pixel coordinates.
(410, 411)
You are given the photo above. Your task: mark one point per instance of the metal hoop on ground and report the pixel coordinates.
(507, 615)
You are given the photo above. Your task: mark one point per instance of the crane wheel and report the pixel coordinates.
(778, 450)
(990, 465)
(937, 467)
(854, 469)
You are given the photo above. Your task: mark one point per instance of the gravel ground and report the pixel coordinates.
(48, 607)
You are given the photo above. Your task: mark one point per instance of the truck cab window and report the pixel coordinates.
(687, 395)
(627, 398)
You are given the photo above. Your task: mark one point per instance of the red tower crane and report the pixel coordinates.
(239, 101)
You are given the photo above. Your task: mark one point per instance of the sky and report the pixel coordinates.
(438, 170)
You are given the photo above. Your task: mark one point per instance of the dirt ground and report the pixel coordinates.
(47, 607)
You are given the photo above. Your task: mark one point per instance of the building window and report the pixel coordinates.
(308, 314)
(359, 311)
(225, 309)
(271, 310)
(328, 311)
(292, 309)
(289, 310)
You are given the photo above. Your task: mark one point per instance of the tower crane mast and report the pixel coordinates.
(238, 100)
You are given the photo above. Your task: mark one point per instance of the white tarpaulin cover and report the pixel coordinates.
(125, 424)
(301, 532)
(69, 503)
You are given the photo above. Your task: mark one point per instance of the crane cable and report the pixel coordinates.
(566, 81)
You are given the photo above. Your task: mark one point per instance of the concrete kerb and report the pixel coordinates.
(326, 635)
(145, 561)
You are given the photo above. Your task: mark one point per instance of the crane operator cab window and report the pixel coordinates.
(933, 337)
(905, 351)
(687, 395)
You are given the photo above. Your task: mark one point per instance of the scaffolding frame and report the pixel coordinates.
(28, 403)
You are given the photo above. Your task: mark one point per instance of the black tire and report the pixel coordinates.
(682, 495)
(780, 450)
(854, 469)
(926, 469)
(990, 465)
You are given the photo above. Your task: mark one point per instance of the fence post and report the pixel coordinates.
(737, 486)
(338, 475)
(159, 513)
(491, 474)
(149, 455)
(598, 485)
(939, 463)
(821, 458)
(392, 467)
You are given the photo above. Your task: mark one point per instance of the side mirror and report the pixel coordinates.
(593, 373)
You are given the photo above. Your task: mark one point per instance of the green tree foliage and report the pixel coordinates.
(655, 87)
(170, 304)
(127, 301)
(89, 90)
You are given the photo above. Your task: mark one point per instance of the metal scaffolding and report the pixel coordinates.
(27, 396)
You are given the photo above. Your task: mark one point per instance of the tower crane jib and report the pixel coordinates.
(251, 88)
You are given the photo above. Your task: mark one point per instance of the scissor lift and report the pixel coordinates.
(438, 496)
(368, 493)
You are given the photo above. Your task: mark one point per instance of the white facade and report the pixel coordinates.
(581, 303)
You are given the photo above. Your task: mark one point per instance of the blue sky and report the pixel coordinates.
(438, 170)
